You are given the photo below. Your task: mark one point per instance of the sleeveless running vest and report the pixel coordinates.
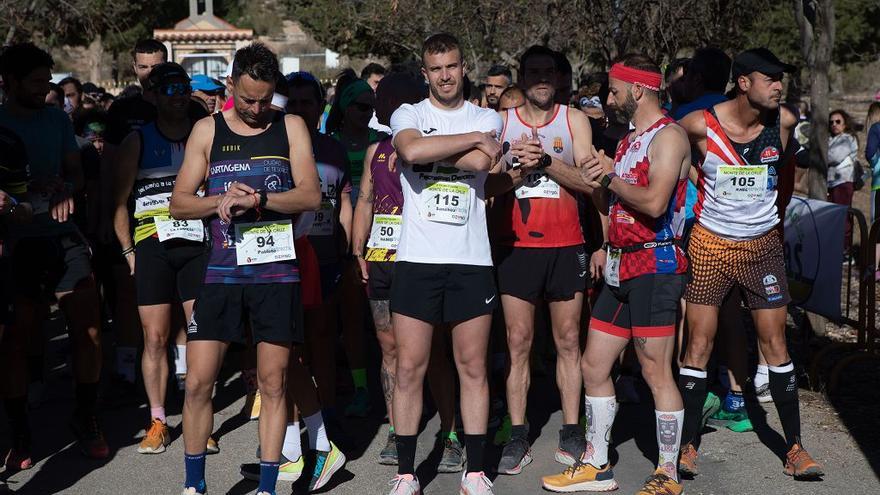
(158, 165)
(737, 185)
(262, 162)
(629, 228)
(540, 212)
(387, 196)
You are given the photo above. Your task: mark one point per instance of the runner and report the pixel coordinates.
(260, 171)
(734, 246)
(444, 264)
(166, 256)
(498, 79)
(540, 252)
(49, 254)
(643, 193)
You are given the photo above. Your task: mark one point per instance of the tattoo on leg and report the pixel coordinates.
(387, 377)
(640, 342)
(381, 315)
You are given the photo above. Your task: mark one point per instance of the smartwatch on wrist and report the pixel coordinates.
(263, 198)
(545, 161)
(606, 180)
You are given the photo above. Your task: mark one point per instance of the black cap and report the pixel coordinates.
(164, 72)
(91, 88)
(758, 60)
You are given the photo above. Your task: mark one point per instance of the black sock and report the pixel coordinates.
(406, 454)
(784, 390)
(86, 399)
(16, 412)
(519, 431)
(475, 445)
(692, 384)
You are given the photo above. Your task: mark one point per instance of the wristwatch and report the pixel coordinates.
(606, 180)
(545, 161)
(263, 198)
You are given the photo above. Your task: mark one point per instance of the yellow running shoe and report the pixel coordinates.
(581, 477)
(252, 405)
(660, 483)
(156, 439)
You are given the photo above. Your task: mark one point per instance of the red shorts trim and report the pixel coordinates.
(664, 331)
(610, 328)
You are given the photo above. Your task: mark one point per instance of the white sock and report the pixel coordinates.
(180, 360)
(669, 425)
(292, 446)
(762, 377)
(600, 418)
(317, 434)
(125, 363)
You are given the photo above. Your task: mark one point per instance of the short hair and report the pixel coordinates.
(305, 80)
(848, 125)
(150, 45)
(672, 68)
(713, 67)
(372, 68)
(257, 61)
(72, 80)
(500, 70)
(536, 51)
(54, 88)
(82, 118)
(440, 43)
(19, 60)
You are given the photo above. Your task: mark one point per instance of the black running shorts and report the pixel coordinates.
(169, 271)
(443, 293)
(645, 306)
(45, 265)
(552, 274)
(381, 275)
(274, 312)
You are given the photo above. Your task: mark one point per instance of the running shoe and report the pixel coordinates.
(799, 464)
(711, 405)
(405, 484)
(741, 426)
(687, 460)
(18, 459)
(572, 445)
(287, 470)
(360, 404)
(252, 405)
(515, 456)
(763, 392)
(192, 491)
(723, 417)
(453, 456)
(502, 436)
(326, 464)
(212, 447)
(157, 437)
(660, 483)
(89, 437)
(388, 455)
(475, 484)
(581, 477)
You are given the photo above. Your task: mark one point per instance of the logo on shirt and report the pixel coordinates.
(272, 182)
(635, 146)
(557, 144)
(429, 131)
(772, 289)
(381, 158)
(769, 154)
(228, 148)
(770, 279)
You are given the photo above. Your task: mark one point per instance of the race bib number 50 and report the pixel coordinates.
(741, 183)
(447, 202)
(264, 242)
(385, 233)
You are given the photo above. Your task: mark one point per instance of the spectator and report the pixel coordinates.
(872, 153)
(55, 96)
(498, 79)
(373, 73)
(843, 147)
(73, 90)
(674, 94)
(208, 90)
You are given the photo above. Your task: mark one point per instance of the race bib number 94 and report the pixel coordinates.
(264, 242)
(741, 183)
(446, 202)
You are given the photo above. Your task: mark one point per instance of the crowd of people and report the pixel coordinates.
(629, 219)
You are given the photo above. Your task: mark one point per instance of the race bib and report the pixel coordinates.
(538, 185)
(446, 202)
(385, 233)
(169, 228)
(264, 242)
(741, 183)
(324, 220)
(612, 267)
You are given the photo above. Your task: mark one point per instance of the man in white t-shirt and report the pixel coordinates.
(443, 274)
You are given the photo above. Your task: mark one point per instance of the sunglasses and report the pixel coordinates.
(175, 89)
(363, 107)
(835, 121)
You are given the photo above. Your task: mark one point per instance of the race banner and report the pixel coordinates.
(813, 254)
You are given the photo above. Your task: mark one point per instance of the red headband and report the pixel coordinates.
(650, 80)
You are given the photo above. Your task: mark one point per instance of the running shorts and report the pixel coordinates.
(165, 272)
(274, 312)
(552, 274)
(42, 266)
(644, 306)
(443, 293)
(757, 266)
(381, 275)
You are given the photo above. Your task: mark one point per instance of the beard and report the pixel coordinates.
(539, 100)
(623, 114)
(447, 100)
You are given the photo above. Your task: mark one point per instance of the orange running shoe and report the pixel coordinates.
(799, 464)
(687, 461)
(660, 483)
(156, 439)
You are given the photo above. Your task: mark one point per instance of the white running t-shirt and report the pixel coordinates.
(444, 217)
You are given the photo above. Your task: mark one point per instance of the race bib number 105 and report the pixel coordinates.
(264, 242)
(741, 183)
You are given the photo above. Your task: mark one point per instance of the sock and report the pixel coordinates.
(453, 436)
(391, 429)
(519, 431)
(359, 376)
(268, 477)
(16, 412)
(734, 401)
(762, 376)
(784, 390)
(406, 454)
(292, 446)
(669, 440)
(125, 361)
(86, 398)
(158, 413)
(317, 433)
(474, 445)
(249, 378)
(180, 360)
(600, 413)
(692, 385)
(195, 471)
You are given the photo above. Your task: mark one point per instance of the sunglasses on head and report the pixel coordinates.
(175, 89)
